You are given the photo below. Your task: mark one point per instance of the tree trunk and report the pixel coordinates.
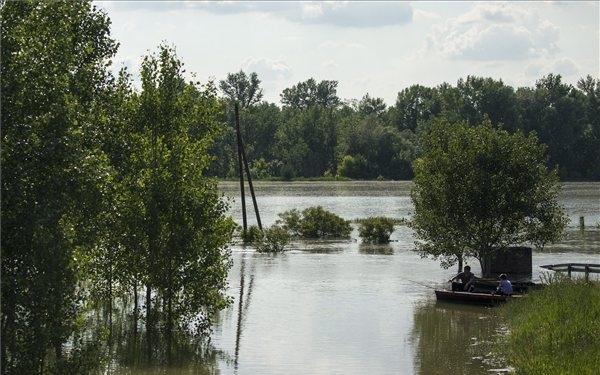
(149, 320)
(486, 265)
(135, 310)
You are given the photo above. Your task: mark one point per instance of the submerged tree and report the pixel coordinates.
(175, 211)
(479, 190)
(55, 56)
(186, 227)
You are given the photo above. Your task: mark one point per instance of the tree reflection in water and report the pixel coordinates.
(128, 355)
(455, 339)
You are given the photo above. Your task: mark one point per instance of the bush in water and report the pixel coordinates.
(376, 229)
(273, 240)
(315, 222)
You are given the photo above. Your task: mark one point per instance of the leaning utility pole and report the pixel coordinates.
(243, 165)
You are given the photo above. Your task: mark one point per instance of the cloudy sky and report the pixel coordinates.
(370, 47)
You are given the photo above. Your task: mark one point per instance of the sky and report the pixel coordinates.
(375, 47)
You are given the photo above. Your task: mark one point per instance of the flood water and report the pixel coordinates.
(342, 307)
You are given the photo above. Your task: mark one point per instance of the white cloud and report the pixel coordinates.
(329, 64)
(329, 44)
(564, 67)
(420, 15)
(494, 31)
(332, 13)
(268, 69)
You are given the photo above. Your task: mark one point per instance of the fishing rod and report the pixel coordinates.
(419, 283)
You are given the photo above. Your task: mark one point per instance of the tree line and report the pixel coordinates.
(313, 133)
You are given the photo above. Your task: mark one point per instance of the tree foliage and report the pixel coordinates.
(314, 222)
(308, 93)
(376, 229)
(297, 139)
(103, 190)
(54, 174)
(241, 88)
(478, 190)
(186, 229)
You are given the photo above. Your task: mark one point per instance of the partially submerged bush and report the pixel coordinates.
(376, 229)
(315, 222)
(251, 235)
(290, 220)
(273, 240)
(268, 240)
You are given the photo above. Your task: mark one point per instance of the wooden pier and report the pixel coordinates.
(586, 268)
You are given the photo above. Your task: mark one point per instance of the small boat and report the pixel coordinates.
(489, 285)
(473, 297)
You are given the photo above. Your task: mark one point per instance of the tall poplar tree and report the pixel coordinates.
(185, 225)
(55, 56)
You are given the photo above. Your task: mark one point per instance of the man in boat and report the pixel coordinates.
(467, 281)
(504, 286)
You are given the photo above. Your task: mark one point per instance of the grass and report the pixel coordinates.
(555, 330)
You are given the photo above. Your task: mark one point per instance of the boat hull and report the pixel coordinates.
(472, 298)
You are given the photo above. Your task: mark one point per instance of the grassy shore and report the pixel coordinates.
(555, 330)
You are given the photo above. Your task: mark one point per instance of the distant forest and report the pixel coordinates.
(316, 134)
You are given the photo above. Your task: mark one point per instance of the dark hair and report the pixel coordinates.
(467, 268)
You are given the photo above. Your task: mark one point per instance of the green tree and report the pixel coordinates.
(54, 174)
(480, 97)
(241, 88)
(353, 167)
(186, 227)
(369, 106)
(589, 143)
(306, 141)
(414, 105)
(478, 190)
(370, 149)
(308, 93)
(556, 112)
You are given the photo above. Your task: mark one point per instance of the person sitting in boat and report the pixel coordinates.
(504, 286)
(467, 281)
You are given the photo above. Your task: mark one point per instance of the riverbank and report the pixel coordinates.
(554, 335)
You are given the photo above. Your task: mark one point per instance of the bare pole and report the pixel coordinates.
(251, 187)
(240, 166)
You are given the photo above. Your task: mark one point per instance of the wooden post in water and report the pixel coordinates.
(581, 223)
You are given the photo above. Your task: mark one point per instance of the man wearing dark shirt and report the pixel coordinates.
(467, 279)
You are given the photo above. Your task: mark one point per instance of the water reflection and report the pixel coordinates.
(384, 249)
(454, 339)
(243, 305)
(343, 307)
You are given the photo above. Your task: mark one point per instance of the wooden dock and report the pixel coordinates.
(586, 268)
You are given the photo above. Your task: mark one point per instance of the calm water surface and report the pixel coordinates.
(342, 307)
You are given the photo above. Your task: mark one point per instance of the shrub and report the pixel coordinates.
(376, 229)
(274, 240)
(315, 222)
(290, 220)
(251, 235)
(353, 167)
